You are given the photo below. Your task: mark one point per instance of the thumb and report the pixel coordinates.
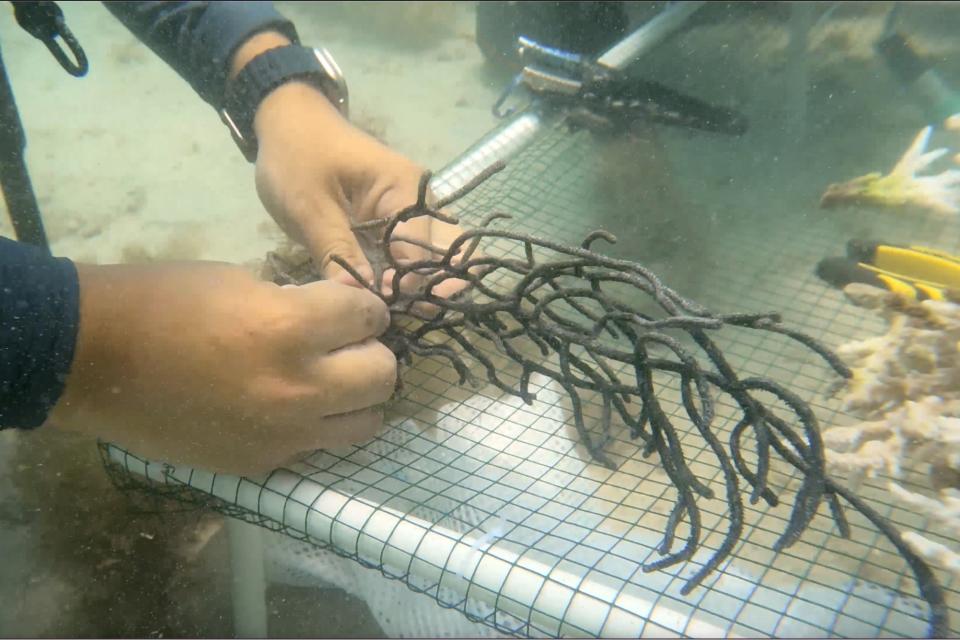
(328, 235)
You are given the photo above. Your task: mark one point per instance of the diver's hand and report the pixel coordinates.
(203, 364)
(317, 175)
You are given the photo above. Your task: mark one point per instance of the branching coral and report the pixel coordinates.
(916, 358)
(902, 188)
(608, 331)
(907, 383)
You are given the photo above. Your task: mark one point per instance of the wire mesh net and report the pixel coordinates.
(493, 508)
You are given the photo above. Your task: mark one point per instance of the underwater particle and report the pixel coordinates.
(136, 200)
(902, 189)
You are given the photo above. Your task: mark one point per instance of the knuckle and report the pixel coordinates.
(283, 318)
(340, 247)
(266, 322)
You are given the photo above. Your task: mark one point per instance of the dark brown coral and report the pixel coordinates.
(584, 320)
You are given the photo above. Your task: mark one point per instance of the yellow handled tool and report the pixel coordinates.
(910, 262)
(917, 273)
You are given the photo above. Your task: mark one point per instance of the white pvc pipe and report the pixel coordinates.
(484, 567)
(649, 35)
(509, 140)
(248, 584)
(498, 576)
(555, 601)
(500, 145)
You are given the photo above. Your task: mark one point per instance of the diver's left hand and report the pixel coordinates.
(317, 175)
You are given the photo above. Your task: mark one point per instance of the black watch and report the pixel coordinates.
(268, 71)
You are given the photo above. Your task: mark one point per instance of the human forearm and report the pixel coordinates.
(116, 316)
(199, 39)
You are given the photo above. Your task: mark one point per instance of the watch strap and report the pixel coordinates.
(265, 73)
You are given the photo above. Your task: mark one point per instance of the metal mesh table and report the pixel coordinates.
(489, 507)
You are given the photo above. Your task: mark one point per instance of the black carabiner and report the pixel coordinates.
(44, 21)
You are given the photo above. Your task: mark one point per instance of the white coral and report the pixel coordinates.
(916, 358)
(906, 383)
(946, 510)
(916, 430)
(940, 192)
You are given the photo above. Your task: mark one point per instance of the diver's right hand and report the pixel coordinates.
(202, 364)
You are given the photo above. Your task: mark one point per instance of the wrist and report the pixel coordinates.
(291, 105)
(96, 353)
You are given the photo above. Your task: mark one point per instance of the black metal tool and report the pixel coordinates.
(603, 98)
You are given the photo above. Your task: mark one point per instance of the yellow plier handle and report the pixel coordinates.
(917, 273)
(910, 262)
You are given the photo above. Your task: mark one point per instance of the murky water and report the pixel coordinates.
(129, 165)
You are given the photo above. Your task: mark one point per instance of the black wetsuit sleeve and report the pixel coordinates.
(197, 39)
(39, 318)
